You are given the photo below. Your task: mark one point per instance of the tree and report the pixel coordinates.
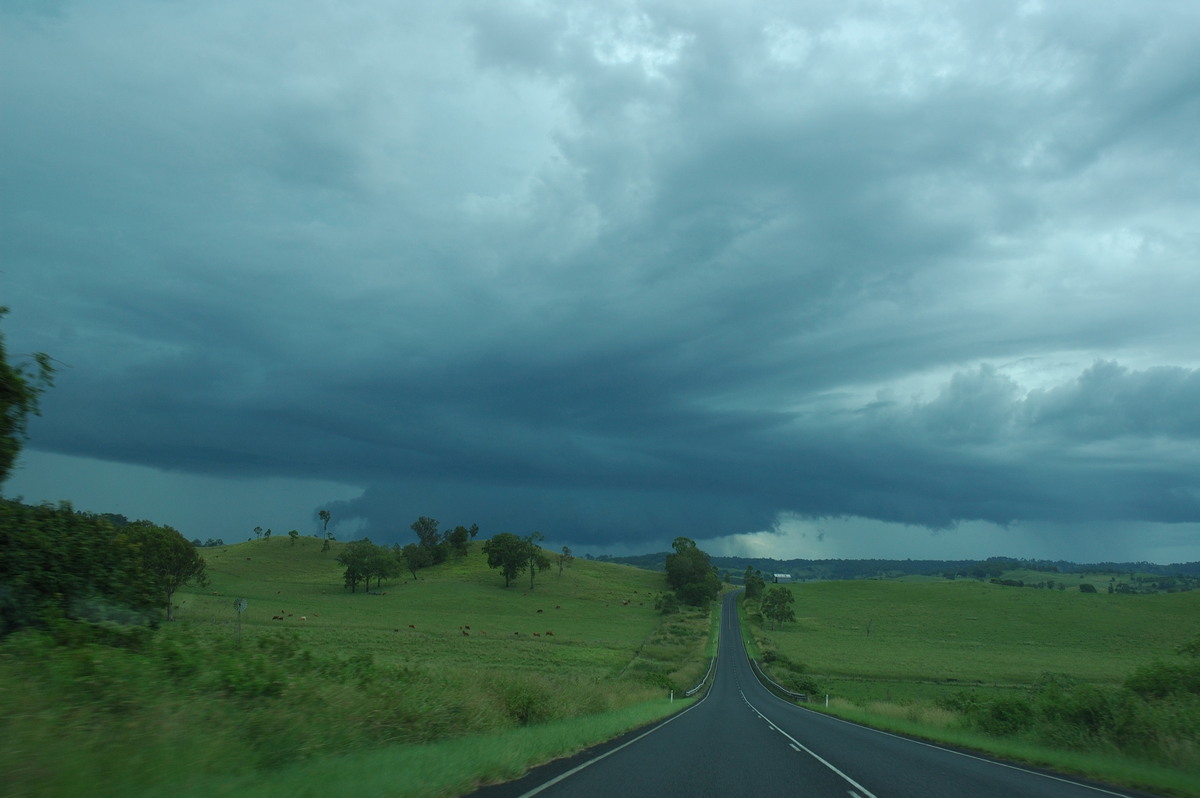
(565, 559)
(356, 557)
(258, 532)
(691, 574)
(293, 534)
(167, 556)
(267, 536)
(754, 583)
(507, 552)
(534, 555)
(325, 534)
(776, 605)
(415, 557)
(459, 539)
(429, 537)
(20, 387)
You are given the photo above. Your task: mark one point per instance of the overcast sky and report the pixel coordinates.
(819, 279)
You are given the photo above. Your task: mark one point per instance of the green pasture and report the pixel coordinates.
(589, 620)
(965, 632)
(1039, 675)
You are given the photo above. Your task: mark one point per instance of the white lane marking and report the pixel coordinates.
(968, 756)
(794, 748)
(647, 733)
(800, 746)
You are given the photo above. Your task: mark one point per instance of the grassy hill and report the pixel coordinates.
(419, 687)
(589, 620)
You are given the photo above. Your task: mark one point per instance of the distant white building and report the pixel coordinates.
(781, 578)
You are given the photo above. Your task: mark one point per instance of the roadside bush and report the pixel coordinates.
(1160, 679)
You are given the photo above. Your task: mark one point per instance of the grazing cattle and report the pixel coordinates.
(539, 610)
(304, 617)
(558, 606)
(466, 633)
(410, 626)
(535, 634)
(549, 634)
(466, 627)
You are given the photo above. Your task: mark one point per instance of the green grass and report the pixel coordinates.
(932, 642)
(308, 704)
(969, 633)
(450, 767)
(593, 629)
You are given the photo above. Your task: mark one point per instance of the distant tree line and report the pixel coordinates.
(802, 569)
(365, 560)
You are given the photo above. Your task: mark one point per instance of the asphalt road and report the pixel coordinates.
(742, 740)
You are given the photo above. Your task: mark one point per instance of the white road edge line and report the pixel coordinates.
(563, 776)
(866, 793)
(972, 756)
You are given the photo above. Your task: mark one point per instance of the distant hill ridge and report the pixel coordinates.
(859, 569)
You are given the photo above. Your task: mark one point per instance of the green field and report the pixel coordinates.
(436, 684)
(1036, 674)
(598, 614)
(967, 632)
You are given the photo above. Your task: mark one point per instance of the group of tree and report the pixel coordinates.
(434, 547)
(512, 555)
(365, 561)
(59, 564)
(691, 574)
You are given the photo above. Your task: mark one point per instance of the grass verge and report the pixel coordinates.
(446, 768)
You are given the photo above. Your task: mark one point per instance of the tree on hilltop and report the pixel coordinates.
(507, 552)
(564, 559)
(415, 557)
(534, 555)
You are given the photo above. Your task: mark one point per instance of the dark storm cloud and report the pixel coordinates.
(623, 271)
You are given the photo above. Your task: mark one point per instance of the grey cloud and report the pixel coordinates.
(618, 269)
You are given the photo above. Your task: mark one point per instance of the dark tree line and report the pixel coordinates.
(58, 564)
(365, 560)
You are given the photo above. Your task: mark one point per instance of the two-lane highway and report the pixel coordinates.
(742, 740)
